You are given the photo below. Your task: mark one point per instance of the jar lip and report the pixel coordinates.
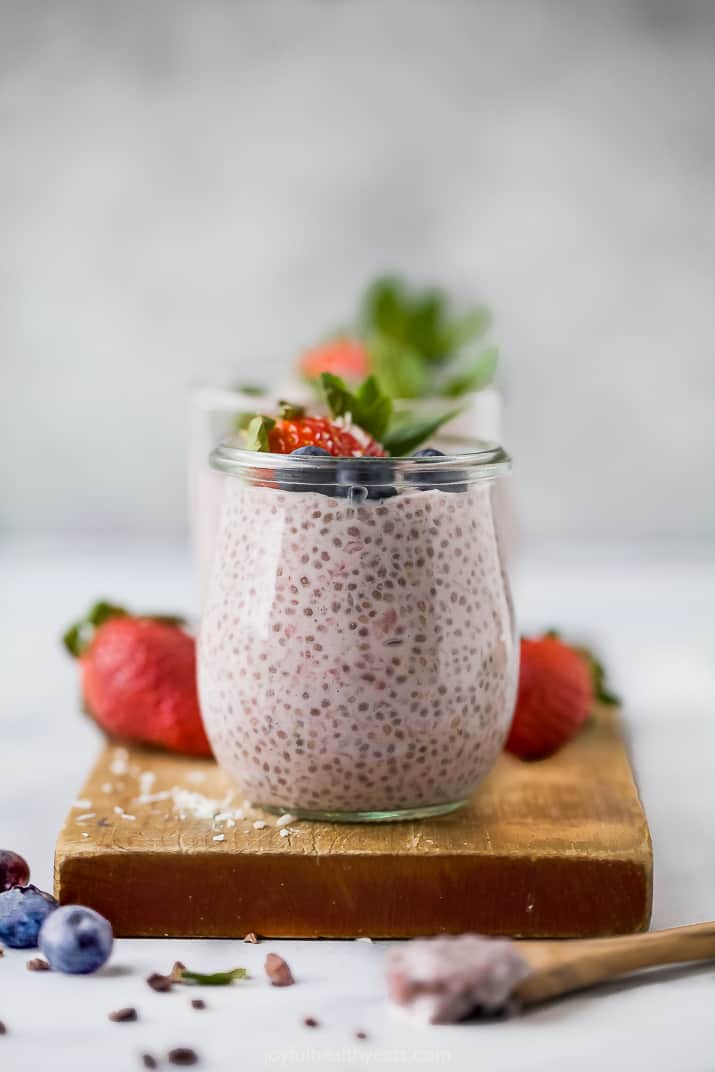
(468, 459)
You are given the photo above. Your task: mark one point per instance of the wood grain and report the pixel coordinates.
(561, 967)
(556, 848)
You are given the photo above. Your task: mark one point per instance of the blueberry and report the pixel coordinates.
(14, 870)
(76, 940)
(312, 479)
(373, 474)
(23, 910)
(435, 481)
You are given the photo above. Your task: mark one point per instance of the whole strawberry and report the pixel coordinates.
(343, 356)
(139, 678)
(555, 697)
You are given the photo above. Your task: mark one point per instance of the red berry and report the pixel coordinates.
(554, 699)
(290, 433)
(344, 357)
(139, 683)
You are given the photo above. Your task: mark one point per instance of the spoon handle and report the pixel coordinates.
(559, 967)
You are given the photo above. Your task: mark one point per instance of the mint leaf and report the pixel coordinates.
(180, 974)
(374, 408)
(250, 389)
(400, 370)
(257, 433)
(426, 327)
(403, 436)
(368, 406)
(385, 307)
(477, 374)
(337, 395)
(463, 329)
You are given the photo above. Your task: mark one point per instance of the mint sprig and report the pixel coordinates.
(371, 409)
(410, 333)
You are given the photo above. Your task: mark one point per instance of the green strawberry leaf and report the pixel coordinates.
(289, 411)
(601, 689)
(474, 376)
(77, 638)
(257, 433)
(403, 436)
(368, 406)
(599, 678)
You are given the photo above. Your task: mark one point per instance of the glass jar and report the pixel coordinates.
(357, 654)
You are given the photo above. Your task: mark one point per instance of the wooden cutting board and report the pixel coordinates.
(555, 848)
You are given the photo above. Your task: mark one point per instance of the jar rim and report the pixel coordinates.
(478, 460)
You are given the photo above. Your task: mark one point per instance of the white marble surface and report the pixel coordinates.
(652, 616)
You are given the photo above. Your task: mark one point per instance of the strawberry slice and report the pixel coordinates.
(293, 429)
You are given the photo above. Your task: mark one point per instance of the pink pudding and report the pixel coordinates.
(357, 659)
(442, 980)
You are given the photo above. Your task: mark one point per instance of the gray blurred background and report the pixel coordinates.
(192, 191)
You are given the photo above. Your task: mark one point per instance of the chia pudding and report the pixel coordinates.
(357, 658)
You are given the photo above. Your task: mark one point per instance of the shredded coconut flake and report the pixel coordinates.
(146, 782)
(86, 817)
(259, 824)
(119, 764)
(82, 804)
(152, 798)
(187, 801)
(286, 820)
(219, 837)
(196, 776)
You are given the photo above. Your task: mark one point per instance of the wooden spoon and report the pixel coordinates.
(558, 967)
